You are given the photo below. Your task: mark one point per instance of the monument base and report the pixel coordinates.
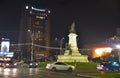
(72, 58)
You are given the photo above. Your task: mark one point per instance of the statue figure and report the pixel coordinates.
(72, 29)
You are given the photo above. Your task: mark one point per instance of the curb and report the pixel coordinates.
(87, 76)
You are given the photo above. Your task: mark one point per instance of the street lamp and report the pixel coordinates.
(118, 47)
(32, 43)
(61, 43)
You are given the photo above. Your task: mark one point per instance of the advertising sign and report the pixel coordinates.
(5, 46)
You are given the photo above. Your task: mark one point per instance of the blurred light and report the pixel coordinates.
(30, 12)
(31, 64)
(118, 46)
(14, 70)
(40, 17)
(32, 8)
(38, 9)
(6, 71)
(114, 63)
(29, 30)
(27, 7)
(107, 49)
(101, 51)
(49, 11)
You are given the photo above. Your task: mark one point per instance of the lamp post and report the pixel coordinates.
(61, 43)
(32, 43)
(119, 55)
(118, 47)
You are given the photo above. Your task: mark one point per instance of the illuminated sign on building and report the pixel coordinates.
(5, 46)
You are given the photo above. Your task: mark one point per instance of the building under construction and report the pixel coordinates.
(34, 36)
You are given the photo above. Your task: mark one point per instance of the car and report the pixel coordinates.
(112, 66)
(59, 66)
(100, 67)
(7, 64)
(32, 64)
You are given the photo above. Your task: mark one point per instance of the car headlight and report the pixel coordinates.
(73, 67)
(15, 64)
(36, 64)
(7, 64)
(31, 64)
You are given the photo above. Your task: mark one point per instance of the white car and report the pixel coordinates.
(60, 66)
(100, 67)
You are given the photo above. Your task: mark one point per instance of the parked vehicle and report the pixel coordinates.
(7, 64)
(112, 66)
(59, 66)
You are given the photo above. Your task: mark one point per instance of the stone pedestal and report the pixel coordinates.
(74, 57)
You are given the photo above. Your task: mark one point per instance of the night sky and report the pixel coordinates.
(96, 20)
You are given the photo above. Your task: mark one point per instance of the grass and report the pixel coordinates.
(83, 64)
(105, 75)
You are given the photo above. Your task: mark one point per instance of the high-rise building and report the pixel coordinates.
(34, 32)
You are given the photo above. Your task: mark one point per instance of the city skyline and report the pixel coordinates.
(95, 20)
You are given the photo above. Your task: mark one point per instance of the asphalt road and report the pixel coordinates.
(35, 73)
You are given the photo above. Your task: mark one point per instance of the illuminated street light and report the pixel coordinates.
(61, 43)
(32, 43)
(118, 47)
(27, 7)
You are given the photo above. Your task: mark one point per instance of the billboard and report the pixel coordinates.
(5, 46)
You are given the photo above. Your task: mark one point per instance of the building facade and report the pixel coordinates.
(34, 36)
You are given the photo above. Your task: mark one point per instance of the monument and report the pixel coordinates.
(71, 53)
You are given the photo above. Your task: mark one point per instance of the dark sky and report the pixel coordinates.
(96, 20)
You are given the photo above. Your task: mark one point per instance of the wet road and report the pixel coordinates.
(34, 73)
